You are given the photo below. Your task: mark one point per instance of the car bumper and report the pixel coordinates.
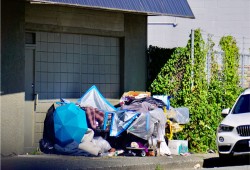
(232, 143)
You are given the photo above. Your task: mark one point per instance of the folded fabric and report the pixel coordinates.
(70, 149)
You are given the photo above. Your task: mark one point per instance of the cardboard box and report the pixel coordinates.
(178, 146)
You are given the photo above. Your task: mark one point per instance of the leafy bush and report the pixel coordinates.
(187, 82)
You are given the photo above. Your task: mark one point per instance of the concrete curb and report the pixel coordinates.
(102, 163)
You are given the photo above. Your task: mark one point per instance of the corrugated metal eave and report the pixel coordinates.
(111, 9)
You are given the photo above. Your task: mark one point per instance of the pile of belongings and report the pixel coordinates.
(94, 127)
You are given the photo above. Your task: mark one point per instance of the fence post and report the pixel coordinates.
(242, 70)
(208, 58)
(242, 63)
(192, 58)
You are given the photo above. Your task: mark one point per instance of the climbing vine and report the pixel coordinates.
(186, 80)
(230, 74)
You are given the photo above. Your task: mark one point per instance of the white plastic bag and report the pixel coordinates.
(164, 149)
(102, 143)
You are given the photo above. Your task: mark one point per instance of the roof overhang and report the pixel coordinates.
(176, 8)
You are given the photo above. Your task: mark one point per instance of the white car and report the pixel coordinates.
(233, 134)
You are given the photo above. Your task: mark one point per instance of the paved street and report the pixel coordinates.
(239, 162)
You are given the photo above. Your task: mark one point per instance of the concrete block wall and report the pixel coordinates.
(135, 53)
(12, 77)
(40, 115)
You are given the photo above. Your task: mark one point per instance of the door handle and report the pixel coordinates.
(36, 100)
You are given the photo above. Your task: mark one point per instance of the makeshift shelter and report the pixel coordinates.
(143, 118)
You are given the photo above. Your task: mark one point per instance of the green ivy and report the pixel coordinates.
(206, 98)
(230, 74)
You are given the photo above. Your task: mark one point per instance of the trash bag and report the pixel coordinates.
(179, 115)
(46, 146)
(102, 143)
(48, 130)
(143, 126)
(147, 123)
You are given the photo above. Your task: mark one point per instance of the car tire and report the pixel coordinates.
(225, 156)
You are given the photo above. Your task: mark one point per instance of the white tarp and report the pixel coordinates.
(95, 99)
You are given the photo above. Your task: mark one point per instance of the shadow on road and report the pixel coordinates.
(235, 161)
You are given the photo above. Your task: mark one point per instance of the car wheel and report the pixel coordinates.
(225, 156)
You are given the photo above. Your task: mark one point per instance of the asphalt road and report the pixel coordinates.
(238, 162)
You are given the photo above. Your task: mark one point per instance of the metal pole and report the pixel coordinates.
(192, 58)
(208, 58)
(242, 63)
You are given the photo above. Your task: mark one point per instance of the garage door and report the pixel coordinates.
(66, 65)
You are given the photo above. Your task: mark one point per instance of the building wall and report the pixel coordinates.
(130, 28)
(12, 77)
(73, 20)
(135, 53)
(19, 17)
(216, 17)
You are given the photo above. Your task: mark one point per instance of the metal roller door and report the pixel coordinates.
(66, 65)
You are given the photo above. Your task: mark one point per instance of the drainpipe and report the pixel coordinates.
(163, 23)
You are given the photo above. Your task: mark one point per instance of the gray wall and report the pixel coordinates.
(12, 76)
(135, 53)
(18, 17)
(129, 27)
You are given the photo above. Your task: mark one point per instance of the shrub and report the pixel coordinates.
(187, 82)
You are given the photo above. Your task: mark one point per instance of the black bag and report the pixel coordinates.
(46, 146)
(48, 129)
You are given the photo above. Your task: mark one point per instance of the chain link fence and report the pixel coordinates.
(243, 70)
(244, 60)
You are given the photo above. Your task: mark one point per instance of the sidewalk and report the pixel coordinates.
(120, 162)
